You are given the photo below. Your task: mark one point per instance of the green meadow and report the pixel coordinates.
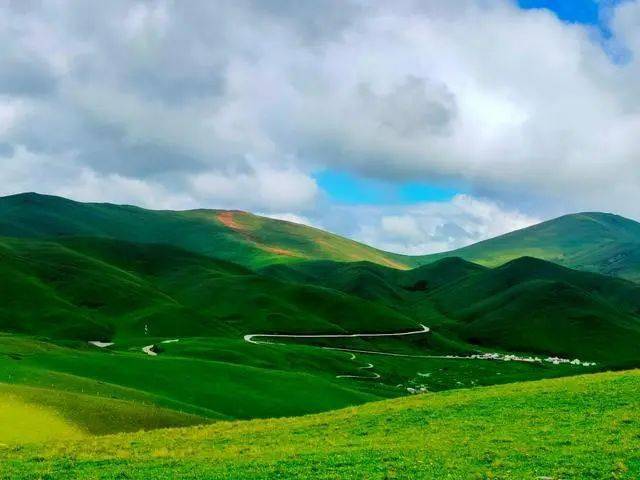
(584, 427)
(219, 344)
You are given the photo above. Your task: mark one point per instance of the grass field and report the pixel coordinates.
(239, 237)
(584, 427)
(29, 414)
(179, 320)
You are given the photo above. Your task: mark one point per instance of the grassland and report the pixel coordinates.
(584, 427)
(175, 293)
(239, 237)
(29, 414)
(60, 293)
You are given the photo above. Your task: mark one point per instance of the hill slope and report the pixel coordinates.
(30, 414)
(526, 305)
(579, 427)
(236, 236)
(101, 289)
(533, 305)
(598, 242)
(376, 282)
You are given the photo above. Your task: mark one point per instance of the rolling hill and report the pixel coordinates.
(236, 236)
(597, 242)
(525, 305)
(592, 241)
(116, 303)
(580, 427)
(533, 305)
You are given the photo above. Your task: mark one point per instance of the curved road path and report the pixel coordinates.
(424, 329)
(250, 338)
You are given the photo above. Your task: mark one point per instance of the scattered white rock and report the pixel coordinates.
(149, 350)
(517, 358)
(99, 344)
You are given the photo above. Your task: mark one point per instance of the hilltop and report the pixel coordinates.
(592, 241)
(236, 236)
(598, 242)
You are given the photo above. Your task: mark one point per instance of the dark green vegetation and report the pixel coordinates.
(525, 305)
(597, 242)
(236, 236)
(174, 294)
(584, 427)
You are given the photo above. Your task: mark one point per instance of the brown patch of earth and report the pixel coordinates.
(226, 218)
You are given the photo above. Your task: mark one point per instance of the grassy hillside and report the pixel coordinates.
(598, 242)
(101, 289)
(30, 414)
(572, 428)
(240, 237)
(376, 282)
(532, 305)
(526, 305)
(159, 288)
(75, 290)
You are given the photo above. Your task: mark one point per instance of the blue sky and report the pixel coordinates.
(343, 187)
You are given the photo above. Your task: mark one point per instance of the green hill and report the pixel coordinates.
(236, 236)
(533, 305)
(30, 414)
(572, 428)
(102, 289)
(526, 305)
(598, 242)
(163, 293)
(376, 282)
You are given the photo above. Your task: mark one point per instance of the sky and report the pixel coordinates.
(416, 126)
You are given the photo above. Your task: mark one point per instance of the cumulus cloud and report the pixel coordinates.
(438, 226)
(236, 103)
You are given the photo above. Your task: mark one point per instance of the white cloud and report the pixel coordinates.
(437, 226)
(235, 103)
(262, 187)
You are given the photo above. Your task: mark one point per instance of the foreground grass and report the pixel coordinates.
(585, 427)
(35, 414)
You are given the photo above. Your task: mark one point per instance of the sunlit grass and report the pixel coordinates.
(584, 427)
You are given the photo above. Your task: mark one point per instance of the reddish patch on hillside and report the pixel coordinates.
(279, 251)
(226, 218)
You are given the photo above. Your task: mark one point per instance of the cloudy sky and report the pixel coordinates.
(416, 126)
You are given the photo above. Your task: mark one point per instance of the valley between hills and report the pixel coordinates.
(221, 344)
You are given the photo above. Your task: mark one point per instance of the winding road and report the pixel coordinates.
(250, 338)
(366, 367)
(424, 329)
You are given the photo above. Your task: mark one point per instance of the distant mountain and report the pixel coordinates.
(597, 242)
(376, 282)
(236, 236)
